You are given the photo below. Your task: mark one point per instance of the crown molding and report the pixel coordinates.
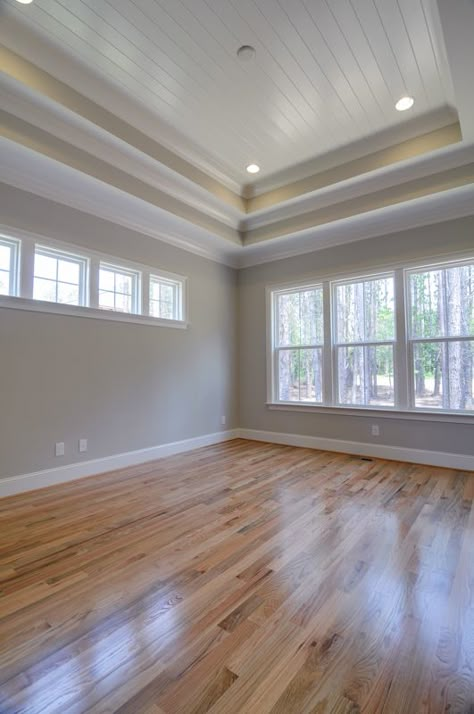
(427, 210)
(42, 113)
(39, 175)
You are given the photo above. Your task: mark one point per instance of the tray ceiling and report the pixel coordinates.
(326, 74)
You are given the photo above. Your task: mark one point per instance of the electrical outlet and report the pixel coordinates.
(59, 448)
(375, 430)
(223, 420)
(82, 445)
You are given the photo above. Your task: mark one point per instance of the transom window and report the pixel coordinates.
(8, 266)
(118, 288)
(400, 340)
(59, 277)
(165, 298)
(364, 341)
(299, 341)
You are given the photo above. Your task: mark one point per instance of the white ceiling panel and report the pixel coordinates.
(326, 72)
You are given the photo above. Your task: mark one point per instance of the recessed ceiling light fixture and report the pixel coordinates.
(25, 2)
(253, 168)
(246, 53)
(404, 103)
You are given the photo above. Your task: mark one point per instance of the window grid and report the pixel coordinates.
(442, 364)
(56, 287)
(402, 344)
(121, 299)
(299, 361)
(364, 366)
(167, 305)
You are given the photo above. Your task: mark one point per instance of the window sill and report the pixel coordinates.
(54, 308)
(379, 412)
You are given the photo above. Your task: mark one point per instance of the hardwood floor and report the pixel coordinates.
(244, 577)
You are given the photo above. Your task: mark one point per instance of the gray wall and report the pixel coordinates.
(418, 243)
(123, 386)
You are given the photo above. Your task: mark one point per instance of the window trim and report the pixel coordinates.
(403, 378)
(15, 246)
(23, 298)
(279, 348)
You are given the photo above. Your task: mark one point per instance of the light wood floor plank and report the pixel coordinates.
(241, 578)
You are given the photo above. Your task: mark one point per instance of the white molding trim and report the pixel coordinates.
(383, 451)
(13, 485)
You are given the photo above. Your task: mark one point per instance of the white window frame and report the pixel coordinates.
(83, 262)
(404, 407)
(135, 297)
(24, 271)
(14, 246)
(336, 346)
(277, 348)
(177, 286)
(412, 341)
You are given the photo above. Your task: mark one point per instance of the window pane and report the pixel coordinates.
(167, 293)
(45, 266)
(311, 306)
(461, 374)
(44, 289)
(365, 375)
(106, 300)
(123, 283)
(68, 271)
(442, 302)
(5, 257)
(4, 283)
(106, 280)
(430, 367)
(444, 375)
(154, 289)
(300, 316)
(379, 310)
(365, 311)
(460, 301)
(311, 375)
(68, 294)
(289, 332)
(123, 303)
(288, 375)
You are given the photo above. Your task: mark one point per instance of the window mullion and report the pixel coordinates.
(27, 269)
(145, 294)
(401, 363)
(328, 350)
(93, 286)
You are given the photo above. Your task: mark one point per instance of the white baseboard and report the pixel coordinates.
(396, 453)
(60, 474)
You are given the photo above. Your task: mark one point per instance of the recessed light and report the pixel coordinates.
(253, 168)
(404, 103)
(25, 2)
(246, 53)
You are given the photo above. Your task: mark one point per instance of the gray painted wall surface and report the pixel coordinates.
(123, 386)
(419, 243)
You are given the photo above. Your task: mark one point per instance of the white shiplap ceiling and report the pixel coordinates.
(327, 72)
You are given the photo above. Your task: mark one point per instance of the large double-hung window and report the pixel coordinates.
(398, 340)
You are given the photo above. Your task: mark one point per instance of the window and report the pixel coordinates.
(59, 277)
(441, 336)
(401, 340)
(8, 266)
(364, 341)
(165, 298)
(298, 344)
(118, 288)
